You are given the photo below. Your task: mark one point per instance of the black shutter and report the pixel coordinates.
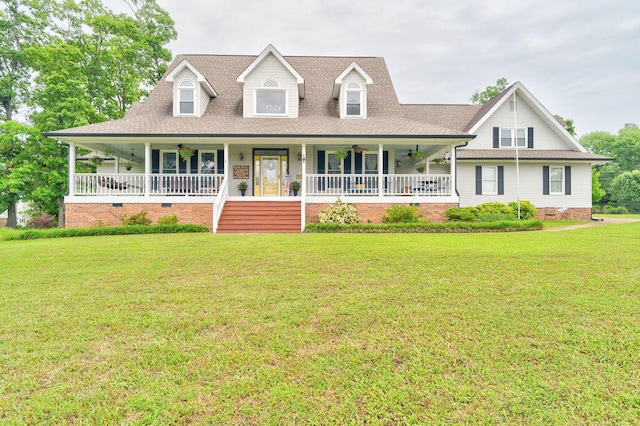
(321, 169)
(496, 137)
(567, 180)
(530, 137)
(478, 180)
(500, 180)
(385, 162)
(220, 161)
(347, 163)
(358, 165)
(545, 180)
(155, 161)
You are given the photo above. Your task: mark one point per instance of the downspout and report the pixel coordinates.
(303, 188)
(454, 158)
(72, 169)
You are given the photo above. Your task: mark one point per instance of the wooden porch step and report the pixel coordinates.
(249, 217)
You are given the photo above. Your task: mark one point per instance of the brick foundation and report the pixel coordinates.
(554, 213)
(87, 215)
(375, 211)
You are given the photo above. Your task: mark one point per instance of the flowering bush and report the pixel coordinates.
(339, 213)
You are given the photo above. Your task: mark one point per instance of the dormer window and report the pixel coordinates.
(271, 99)
(354, 100)
(187, 95)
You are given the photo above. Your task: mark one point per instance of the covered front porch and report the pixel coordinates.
(157, 172)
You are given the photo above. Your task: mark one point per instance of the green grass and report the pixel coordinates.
(534, 328)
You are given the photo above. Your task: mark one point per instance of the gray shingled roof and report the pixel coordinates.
(528, 154)
(455, 117)
(318, 114)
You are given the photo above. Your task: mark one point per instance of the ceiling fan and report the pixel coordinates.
(358, 148)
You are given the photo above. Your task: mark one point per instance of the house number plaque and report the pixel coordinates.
(241, 172)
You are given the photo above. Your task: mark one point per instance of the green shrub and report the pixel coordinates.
(426, 227)
(33, 234)
(136, 219)
(494, 207)
(42, 221)
(462, 214)
(402, 214)
(613, 210)
(339, 213)
(168, 220)
(527, 210)
(494, 217)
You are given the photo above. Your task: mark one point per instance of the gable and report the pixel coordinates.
(529, 115)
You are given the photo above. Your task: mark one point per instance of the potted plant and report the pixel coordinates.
(185, 152)
(295, 187)
(438, 160)
(420, 168)
(341, 154)
(242, 187)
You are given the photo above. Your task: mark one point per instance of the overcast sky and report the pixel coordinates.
(579, 58)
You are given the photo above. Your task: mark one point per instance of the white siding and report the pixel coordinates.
(270, 69)
(530, 185)
(352, 77)
(544, 136)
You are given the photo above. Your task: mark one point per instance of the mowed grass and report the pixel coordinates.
(535, 328)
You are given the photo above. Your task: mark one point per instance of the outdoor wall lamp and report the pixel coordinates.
(299, 156)
(398, 163)
(241, 156)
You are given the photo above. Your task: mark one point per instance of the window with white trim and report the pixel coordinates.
(506, 137)
(187, 96)
(370, 161)
(354, 100)
(556, 180)
(271, 99)
(489, 180)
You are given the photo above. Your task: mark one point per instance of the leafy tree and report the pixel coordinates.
(489, 92)
(570, 126)
(626, 189)
(16, 163)
(596, 189)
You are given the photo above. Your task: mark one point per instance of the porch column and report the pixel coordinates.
(380, 170)
(303, 187)
(147, 169)
(452, 169)
(226, 165)
(72, 169)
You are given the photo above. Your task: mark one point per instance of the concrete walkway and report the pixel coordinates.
(607, 221)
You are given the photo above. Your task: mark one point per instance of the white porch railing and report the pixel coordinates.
(109, 184)
(363, 185)
(134, 184)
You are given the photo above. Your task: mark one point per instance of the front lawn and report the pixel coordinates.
(508, 328)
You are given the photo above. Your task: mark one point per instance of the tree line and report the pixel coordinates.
(67, 63)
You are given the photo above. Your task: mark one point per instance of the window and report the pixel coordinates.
(187, 94)
(271, 99)
(354, 100)
(506, 137)
(556, 180)
(207, 162)
(169, 162)
(370, 164)
(489, 180)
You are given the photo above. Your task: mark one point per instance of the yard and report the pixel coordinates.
(536, 327)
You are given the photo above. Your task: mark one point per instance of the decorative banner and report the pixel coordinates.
(241, 172)
(287, 185)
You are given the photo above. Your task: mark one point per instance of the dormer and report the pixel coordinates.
(191, 90)
(271, 87)
(350, 89)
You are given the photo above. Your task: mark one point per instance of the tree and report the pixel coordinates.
(72, 63)
(569, 125)
(626, 189)
(596, 189)
(489, 92)
(16, 163)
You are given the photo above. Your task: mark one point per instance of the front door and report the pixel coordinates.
(270, 176)
(270, 168)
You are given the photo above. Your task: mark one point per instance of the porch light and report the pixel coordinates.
(398, 163)
(299, 156)
(241, 156)
(133, 158)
